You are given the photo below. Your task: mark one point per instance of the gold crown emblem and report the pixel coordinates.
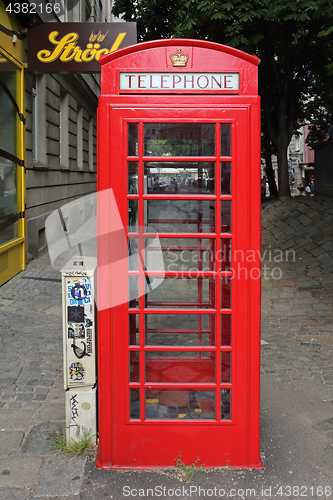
(98, 37)
(179, 59)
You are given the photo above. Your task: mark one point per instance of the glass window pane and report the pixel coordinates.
(9, 231)
(181, 254)
(133, 254)
(180, 367)
(225, 139)
(226, 292)
(179, 139)
(225, 177)
(191, 177)
(225, 367)
(133, 291)
(133, 216)
(226, 216)
(133, 329)
(225, 330)
(180, 329)
(225, 258)
(179, 404)
(134, 366)
(8, 115)
(133, 186)
(135, 403)
(225, 404)
(180, 216)
(181, 292)
(133, 139)
(8, 199)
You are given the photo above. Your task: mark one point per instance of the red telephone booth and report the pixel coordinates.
(179, 256)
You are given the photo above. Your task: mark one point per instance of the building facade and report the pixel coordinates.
(47, 130)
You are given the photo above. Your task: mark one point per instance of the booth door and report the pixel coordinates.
(180, 378)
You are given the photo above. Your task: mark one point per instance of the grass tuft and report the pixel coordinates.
(59, 442)
(188, 471)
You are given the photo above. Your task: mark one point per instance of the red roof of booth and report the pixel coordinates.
(214, 68)
(131, 49)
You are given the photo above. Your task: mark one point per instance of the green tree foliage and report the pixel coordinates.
(293, 39)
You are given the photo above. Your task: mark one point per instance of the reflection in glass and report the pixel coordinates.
(225, 139)
(189, 177)
(133, 329)
(133, 216)
(9, 230)
(134, 366)
(180, 329)
(179, 139)
(133, 254)
(179, 367)
(226, 216)
(225, 257)
(132, 184)
(182, 292)
(225, 404)
(225, 177)
(133, 291)
(179, 404)
(226, 292)
(133, 139)
(8, 115)
(180, 216)
(225, 367)
(225, 330)
(134, 403)
(182, 254)
(8, 143)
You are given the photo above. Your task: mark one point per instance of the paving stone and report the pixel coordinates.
(19, 472)
(53, 412)
(39, 439)
(13, 494)
(15, 419)
(10, 442)
(61, 474)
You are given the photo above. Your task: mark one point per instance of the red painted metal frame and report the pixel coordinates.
(126, 443)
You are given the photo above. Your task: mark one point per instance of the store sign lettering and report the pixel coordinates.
(75, 47)
(179, 81)
(66, 48)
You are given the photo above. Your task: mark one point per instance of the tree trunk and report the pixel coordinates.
(270, 175)
(283, 172)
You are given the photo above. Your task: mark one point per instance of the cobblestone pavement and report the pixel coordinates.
(297, 289)
(297, 343)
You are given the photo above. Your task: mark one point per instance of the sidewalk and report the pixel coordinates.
(297, 380)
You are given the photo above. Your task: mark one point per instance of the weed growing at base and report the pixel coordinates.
(59, 442)
(188, 471)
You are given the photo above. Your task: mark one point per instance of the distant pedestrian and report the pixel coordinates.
(301, 186)
(308, 190)
(312, 186)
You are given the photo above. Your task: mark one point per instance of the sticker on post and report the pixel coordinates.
(76, 331)
(76, 372)
(80, 352)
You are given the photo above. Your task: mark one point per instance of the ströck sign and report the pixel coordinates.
(75, 47)
(179, 81)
